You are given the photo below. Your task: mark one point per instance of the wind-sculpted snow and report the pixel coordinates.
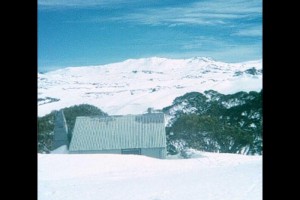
(130, 87)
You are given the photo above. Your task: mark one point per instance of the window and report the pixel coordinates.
(132, 151)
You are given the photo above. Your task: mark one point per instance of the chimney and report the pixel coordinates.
(150, 110)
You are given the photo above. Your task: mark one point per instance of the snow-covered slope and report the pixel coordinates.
(210, 176)
(130, 87)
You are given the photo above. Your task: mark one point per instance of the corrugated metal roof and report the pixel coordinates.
(119, 132)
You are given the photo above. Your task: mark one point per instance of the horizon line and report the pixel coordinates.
(54, 68)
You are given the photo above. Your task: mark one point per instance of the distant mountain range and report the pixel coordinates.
(132, 86)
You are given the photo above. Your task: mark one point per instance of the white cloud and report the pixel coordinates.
(203, 12)
(238, 53)
(249, 32)
(230, 53)
(79, 3)
(203, 42)
(221, 49)
(71, 2)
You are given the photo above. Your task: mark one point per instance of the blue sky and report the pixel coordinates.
(93, 32)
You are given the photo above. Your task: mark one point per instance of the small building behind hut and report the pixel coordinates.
(60, 130)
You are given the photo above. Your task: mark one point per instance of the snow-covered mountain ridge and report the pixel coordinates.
(131, 86)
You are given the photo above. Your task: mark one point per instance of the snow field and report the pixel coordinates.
(209, 176)
(130, 87)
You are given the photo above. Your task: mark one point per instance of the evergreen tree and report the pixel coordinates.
(216, 122)
(46, 124)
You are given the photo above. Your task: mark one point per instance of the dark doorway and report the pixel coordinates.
(136, 151)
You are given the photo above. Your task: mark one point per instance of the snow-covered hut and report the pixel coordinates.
(143, 134)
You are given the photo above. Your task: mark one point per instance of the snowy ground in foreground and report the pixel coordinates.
(209, 176)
